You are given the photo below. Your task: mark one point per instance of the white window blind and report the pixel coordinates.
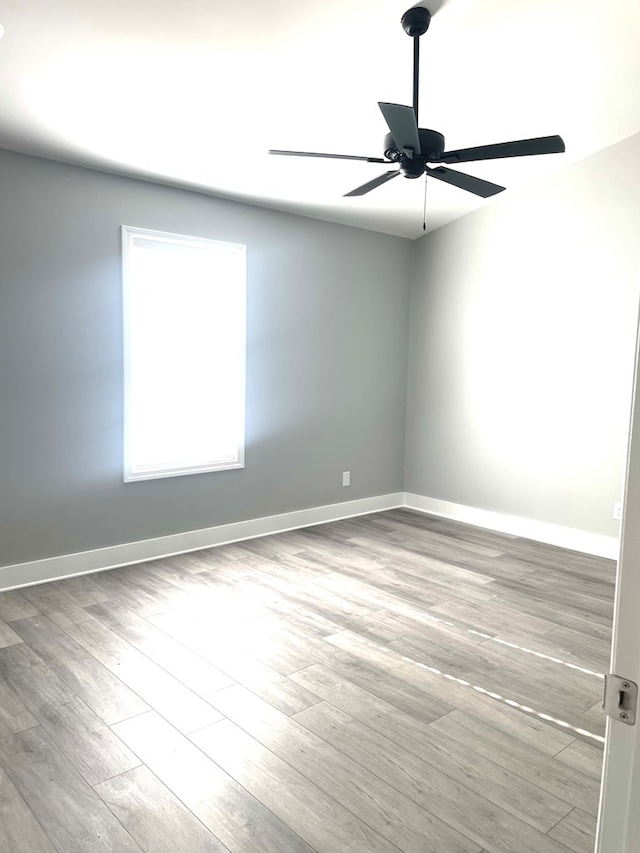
(184, 334)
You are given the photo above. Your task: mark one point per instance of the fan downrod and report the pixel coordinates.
(415, 21)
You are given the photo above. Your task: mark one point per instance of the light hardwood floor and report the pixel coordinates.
(391, 682)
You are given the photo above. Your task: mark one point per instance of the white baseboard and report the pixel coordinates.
(86, 562)
(527, 528)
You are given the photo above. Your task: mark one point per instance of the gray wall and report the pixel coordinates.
(327, 350)
(523, 320)
(523, 323)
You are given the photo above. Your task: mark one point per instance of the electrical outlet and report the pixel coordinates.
(617, 511)
(346, 478)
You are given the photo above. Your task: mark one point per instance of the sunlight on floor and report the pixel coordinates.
(511, 702)
(494, 639)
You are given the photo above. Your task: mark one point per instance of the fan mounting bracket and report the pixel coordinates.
(415, 21)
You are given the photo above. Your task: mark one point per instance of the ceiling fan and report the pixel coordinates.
(412, 148)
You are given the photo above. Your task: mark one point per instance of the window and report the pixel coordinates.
(184, 334)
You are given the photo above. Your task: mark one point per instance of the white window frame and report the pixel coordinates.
(133, 472)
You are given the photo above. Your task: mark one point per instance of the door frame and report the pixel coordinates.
(619, 813)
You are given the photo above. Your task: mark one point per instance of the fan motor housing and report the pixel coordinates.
(431, 146)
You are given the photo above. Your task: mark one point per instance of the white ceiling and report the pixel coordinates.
(194, 93)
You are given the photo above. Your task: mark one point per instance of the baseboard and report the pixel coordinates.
(86, 562)
(527, 528)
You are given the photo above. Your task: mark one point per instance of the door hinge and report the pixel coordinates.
(620, 699)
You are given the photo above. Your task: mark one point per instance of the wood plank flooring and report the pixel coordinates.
(394, 682)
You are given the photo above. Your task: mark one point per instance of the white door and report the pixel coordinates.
(619, 821)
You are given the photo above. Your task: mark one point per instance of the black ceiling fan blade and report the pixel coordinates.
(331, 156)
(465, 182)
(518, 148)
(403, 126)
(371, 185)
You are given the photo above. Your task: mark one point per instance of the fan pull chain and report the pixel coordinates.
(424, 209)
